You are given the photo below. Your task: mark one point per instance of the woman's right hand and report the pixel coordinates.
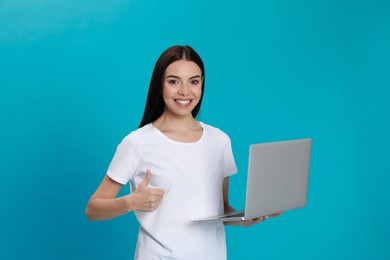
(105, 205)
(145, 198)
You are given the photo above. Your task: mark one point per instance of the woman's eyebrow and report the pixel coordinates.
(177, 77)
(172, 76)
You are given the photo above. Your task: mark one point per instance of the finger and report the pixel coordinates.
(147, 178)
(154, 204)
(250, 222)
(154, 194)
(158, 192)
(255, 220)
(260, 219)
(148, 175)
(275, 215)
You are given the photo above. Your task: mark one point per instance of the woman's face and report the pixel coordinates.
(182, 87)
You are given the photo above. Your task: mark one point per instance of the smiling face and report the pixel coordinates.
(182, 87)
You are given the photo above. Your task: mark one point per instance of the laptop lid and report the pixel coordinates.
(277, 180)
(277, 177)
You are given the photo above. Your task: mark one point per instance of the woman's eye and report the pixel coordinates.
(172, 81)
(195, 82)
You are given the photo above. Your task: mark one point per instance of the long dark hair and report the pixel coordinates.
(155, 104)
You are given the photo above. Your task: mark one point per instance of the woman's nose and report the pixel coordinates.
(183, 90)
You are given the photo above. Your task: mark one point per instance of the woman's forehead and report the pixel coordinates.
(183, 68)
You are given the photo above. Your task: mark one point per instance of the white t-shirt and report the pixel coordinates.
(192, 175)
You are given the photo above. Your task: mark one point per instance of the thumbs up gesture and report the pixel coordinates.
(146, 198)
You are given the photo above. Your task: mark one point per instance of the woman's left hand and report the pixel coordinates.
(247, 223)
(251, 222)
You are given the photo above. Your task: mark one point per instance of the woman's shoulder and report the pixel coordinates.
(214, 130)
(138, 133)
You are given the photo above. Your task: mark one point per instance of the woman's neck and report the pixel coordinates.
(180, 129)
(172, 123)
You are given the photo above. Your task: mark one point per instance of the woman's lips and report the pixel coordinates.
(183, 102)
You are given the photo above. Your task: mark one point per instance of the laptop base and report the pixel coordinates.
(228, 217)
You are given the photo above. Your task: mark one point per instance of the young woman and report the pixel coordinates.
(178, 168)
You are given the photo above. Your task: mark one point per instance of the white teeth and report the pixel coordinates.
(183, 102)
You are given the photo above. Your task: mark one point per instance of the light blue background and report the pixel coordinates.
(73, 82)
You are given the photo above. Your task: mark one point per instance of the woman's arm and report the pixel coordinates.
(228, 209)
(103, 204)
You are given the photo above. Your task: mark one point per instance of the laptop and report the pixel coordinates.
(277, 180)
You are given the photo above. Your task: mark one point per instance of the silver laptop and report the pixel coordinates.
(277, 180)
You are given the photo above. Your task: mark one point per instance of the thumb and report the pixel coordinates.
(147, 178)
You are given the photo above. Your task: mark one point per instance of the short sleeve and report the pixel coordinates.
(230, 164)
(125, 162)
